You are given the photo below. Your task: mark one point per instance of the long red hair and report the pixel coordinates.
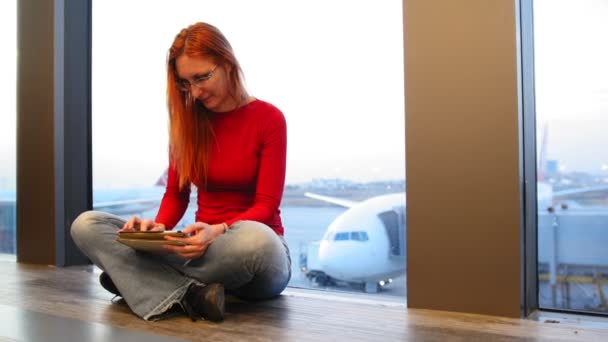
(190, 131)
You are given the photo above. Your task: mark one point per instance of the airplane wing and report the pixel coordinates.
(131, 206)
(333, 200)
(578, 191)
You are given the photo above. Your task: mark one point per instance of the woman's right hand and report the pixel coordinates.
(137, 224)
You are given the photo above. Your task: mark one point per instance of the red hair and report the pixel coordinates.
(190, 131)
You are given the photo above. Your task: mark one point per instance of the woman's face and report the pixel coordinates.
(206, 81)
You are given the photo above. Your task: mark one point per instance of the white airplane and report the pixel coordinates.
(135, 201)
(131, 201)
(364, 245)
(549, 200)
(367, 244)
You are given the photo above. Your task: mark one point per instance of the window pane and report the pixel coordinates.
(335, 69)
(572, 117)
(8, 127)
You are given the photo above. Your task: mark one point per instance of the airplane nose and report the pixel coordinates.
(341, 260)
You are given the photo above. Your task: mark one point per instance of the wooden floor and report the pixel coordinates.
(73, 295)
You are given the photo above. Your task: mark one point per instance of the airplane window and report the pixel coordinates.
(354, 236)
(341, 236)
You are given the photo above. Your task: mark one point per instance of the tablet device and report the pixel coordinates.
(149, 245)
(149, 234)
(149, 241)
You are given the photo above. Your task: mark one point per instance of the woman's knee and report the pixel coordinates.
(82, 226)
(262, 250)
(256, 238)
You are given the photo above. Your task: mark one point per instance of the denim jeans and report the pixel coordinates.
(250, 260)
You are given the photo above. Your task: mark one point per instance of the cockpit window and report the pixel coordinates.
(341, 236)
(359, 236)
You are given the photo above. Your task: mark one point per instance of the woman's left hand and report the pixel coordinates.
(201, 237)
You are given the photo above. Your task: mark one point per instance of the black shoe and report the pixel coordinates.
(107, 283)
(205, 302)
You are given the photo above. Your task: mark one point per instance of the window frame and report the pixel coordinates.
(529, 227)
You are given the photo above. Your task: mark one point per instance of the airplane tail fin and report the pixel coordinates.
(162, 180)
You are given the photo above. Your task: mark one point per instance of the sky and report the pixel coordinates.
(8, 80)
(335, 69)
(571, 82)
(338, 82)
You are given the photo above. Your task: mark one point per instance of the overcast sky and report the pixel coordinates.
(572, 81)
(8, 64)
(335, 68)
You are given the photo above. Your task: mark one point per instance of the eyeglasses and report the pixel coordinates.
(199, 81)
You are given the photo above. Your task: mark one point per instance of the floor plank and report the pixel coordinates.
(73, 293)
(25, 325)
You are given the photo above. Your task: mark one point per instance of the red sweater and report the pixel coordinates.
(246, 173)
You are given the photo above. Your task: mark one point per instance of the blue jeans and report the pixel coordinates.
(250, 260)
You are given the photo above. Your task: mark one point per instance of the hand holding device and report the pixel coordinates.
(151, 240)
(200, 236)
(138, 224)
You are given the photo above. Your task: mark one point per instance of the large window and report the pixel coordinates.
(571, 76)
(335, 68)
(8, 127)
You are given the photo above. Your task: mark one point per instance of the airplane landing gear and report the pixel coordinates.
(321, 279)
(372, 287)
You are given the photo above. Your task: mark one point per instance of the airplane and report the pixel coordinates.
(130, 201)
(549, 200)
(134, 201)
(364, 245)
(121, 202)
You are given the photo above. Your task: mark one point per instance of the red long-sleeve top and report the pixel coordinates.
(246, 172)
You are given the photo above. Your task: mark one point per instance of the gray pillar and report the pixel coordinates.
(53, 128)
(464, 172)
